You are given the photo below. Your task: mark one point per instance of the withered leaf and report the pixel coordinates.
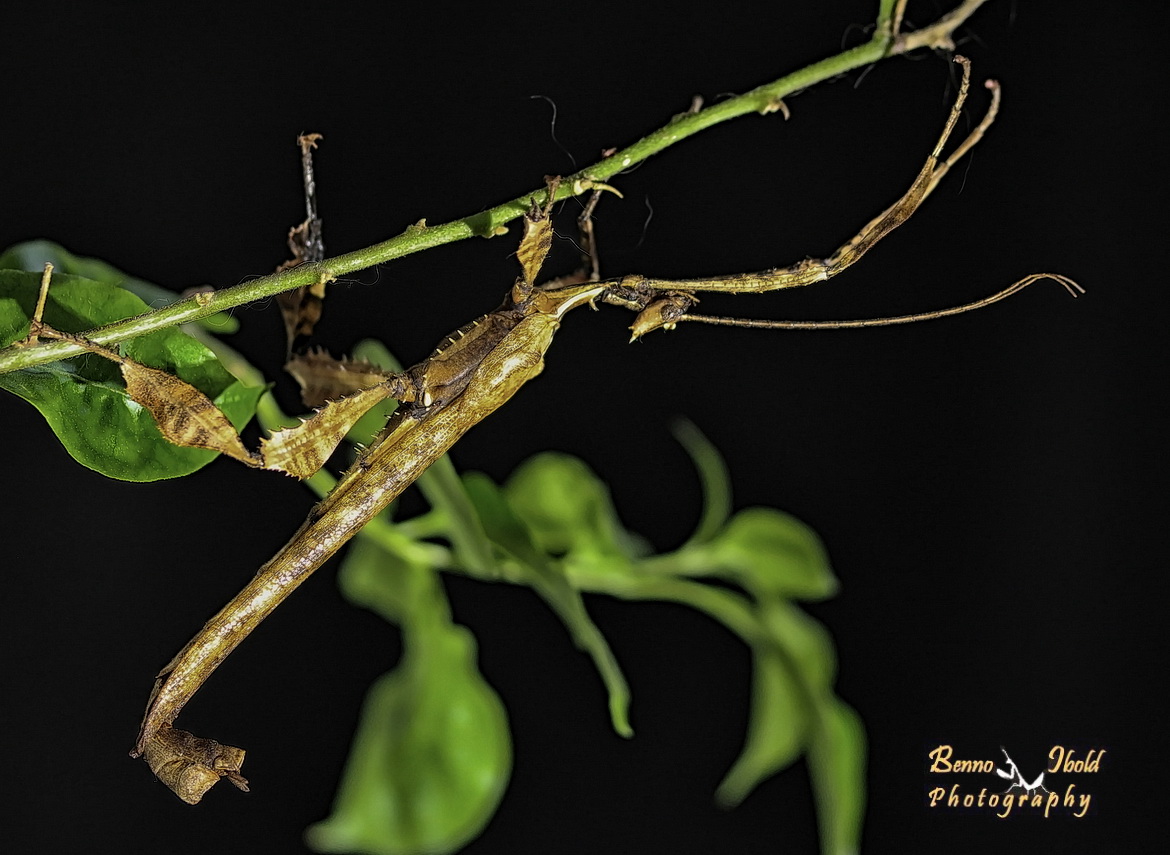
(534, 246)
(302, 450)
(538, 234)
(302, 308)
(185, 416)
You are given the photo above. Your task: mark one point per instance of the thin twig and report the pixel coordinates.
(763, 99)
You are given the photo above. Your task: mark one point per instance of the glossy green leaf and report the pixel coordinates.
(773, 555)
(511, 534)
(32, 255)
(432, 754)
(84, 400)
(836, 762)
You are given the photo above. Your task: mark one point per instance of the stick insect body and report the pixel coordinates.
(478, 370)
(475, 372)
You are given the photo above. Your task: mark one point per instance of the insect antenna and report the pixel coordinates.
(1069, 285)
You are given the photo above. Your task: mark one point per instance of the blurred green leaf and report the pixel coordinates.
(773, 555)
(713, 476)
(503, 526)
(777, 729)
(432, 754)
(806, 643)
(794, 666)
(402, 592)
(568, 508)
(836, 762)
(445, 491)
(31, 256)
(84, 400)
(511, 534)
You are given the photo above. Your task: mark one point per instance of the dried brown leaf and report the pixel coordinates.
(185, 416)
(534, 246)
(538, 234)
(302, 307)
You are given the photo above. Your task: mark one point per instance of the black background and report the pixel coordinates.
(988, 485)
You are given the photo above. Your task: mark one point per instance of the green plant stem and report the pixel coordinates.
(763, 99)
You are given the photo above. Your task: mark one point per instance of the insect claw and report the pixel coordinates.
(776, 105)
(583, 184)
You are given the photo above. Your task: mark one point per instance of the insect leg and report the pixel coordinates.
(642, 291)
(323, 378)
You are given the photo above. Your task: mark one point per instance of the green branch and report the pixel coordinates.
(886, 41)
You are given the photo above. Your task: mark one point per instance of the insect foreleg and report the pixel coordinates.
(643, 293)
(590, 260)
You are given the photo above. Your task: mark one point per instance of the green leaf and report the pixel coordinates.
(401, 591)
(713, 476)
(430, 759)
(568, 508)
(84, 400)
(447, 494)
(805, 642)
(503, 526)
(432, 753)
(777, 731)
(794, 666)
(511, 534)
(32, 255)
(772, 554)
(836, 762)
